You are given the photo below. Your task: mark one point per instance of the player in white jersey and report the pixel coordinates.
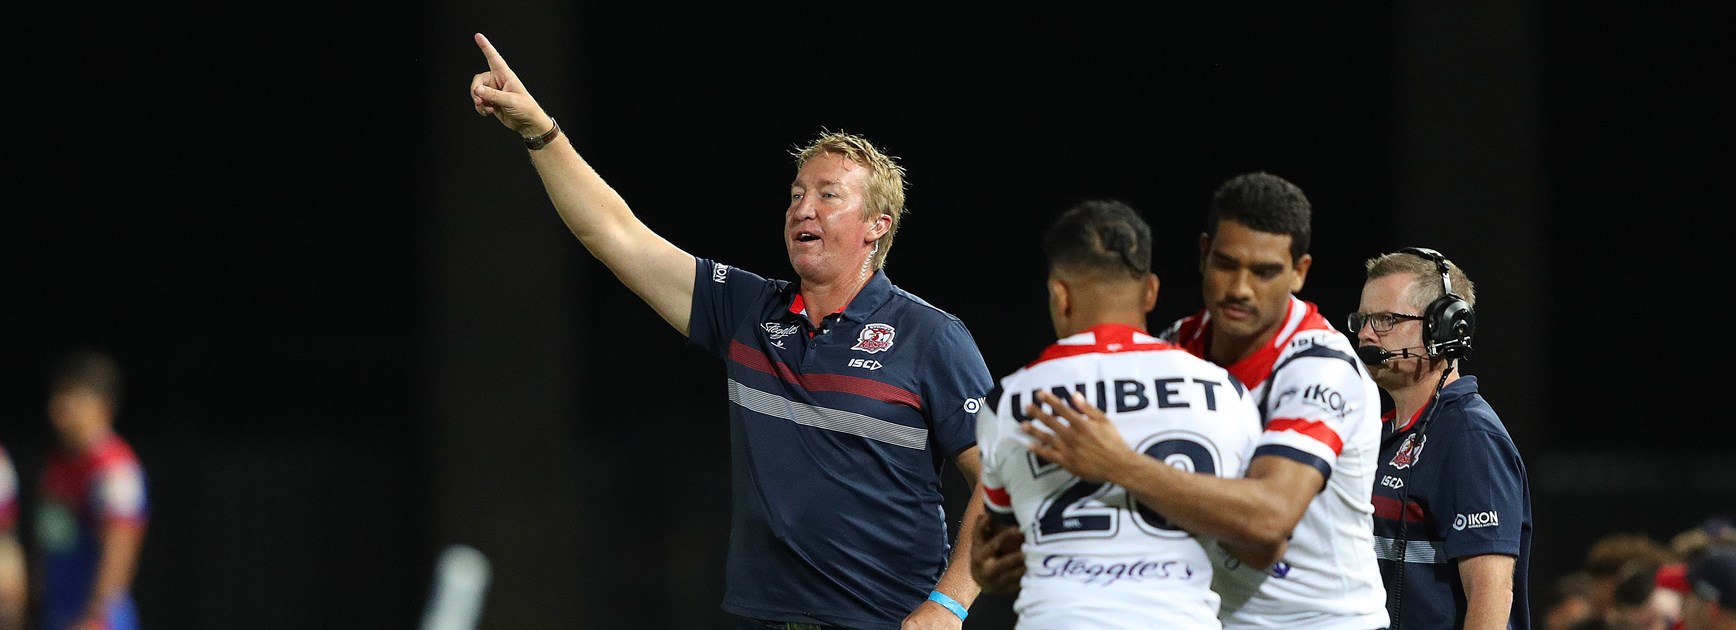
(1096, 558)
(1320, 409)
(1311, 477)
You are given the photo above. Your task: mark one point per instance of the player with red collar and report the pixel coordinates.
(1311, 477)
(1096, 557)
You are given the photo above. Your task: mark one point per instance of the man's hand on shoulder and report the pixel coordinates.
(1082, 439)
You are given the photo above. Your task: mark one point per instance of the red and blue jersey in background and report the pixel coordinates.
(82, 494)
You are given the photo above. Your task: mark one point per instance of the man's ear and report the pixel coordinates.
(1148, 293)
(1060, 297)
(1302, 265)
(881, 225)
(1205, 248)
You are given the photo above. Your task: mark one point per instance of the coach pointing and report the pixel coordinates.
(846, 393)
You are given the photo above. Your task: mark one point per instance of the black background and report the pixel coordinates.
(236, 201)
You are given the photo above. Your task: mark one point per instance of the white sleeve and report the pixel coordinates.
(991, 440)
(1313, 401)
(121, 489)
(1239, 453)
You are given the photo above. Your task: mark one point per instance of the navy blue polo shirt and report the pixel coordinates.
(838, 437)
(1465, 494)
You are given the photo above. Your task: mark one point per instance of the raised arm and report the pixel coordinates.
(658, 271)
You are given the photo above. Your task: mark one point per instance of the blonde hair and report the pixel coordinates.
(1424, 275)
(885, 180)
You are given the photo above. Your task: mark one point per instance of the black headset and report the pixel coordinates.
(1449, 321)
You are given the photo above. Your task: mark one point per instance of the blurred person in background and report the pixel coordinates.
(12, 589)
(1638, 604)
(1676, 592)
(90, 520)
(1711, 600)
(1568, 602)
(1617, 556)
(1713, 535)
(1716, 532)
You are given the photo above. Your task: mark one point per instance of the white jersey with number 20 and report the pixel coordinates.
(1094, 556)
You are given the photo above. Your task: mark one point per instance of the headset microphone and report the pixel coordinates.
(1376, 355)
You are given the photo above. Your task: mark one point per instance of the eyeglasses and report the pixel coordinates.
(1382, 322)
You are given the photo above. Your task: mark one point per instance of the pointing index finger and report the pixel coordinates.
(495, 62)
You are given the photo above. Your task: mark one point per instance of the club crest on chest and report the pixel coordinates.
(874, 338)
(1409, 451)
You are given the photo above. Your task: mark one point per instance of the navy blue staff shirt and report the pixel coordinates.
(1465, 494)
(838, 437)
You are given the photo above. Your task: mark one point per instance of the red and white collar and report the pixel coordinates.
(1103, 338)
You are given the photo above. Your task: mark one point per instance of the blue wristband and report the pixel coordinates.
(941, 598)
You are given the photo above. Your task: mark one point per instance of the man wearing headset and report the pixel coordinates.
(1451, 501)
